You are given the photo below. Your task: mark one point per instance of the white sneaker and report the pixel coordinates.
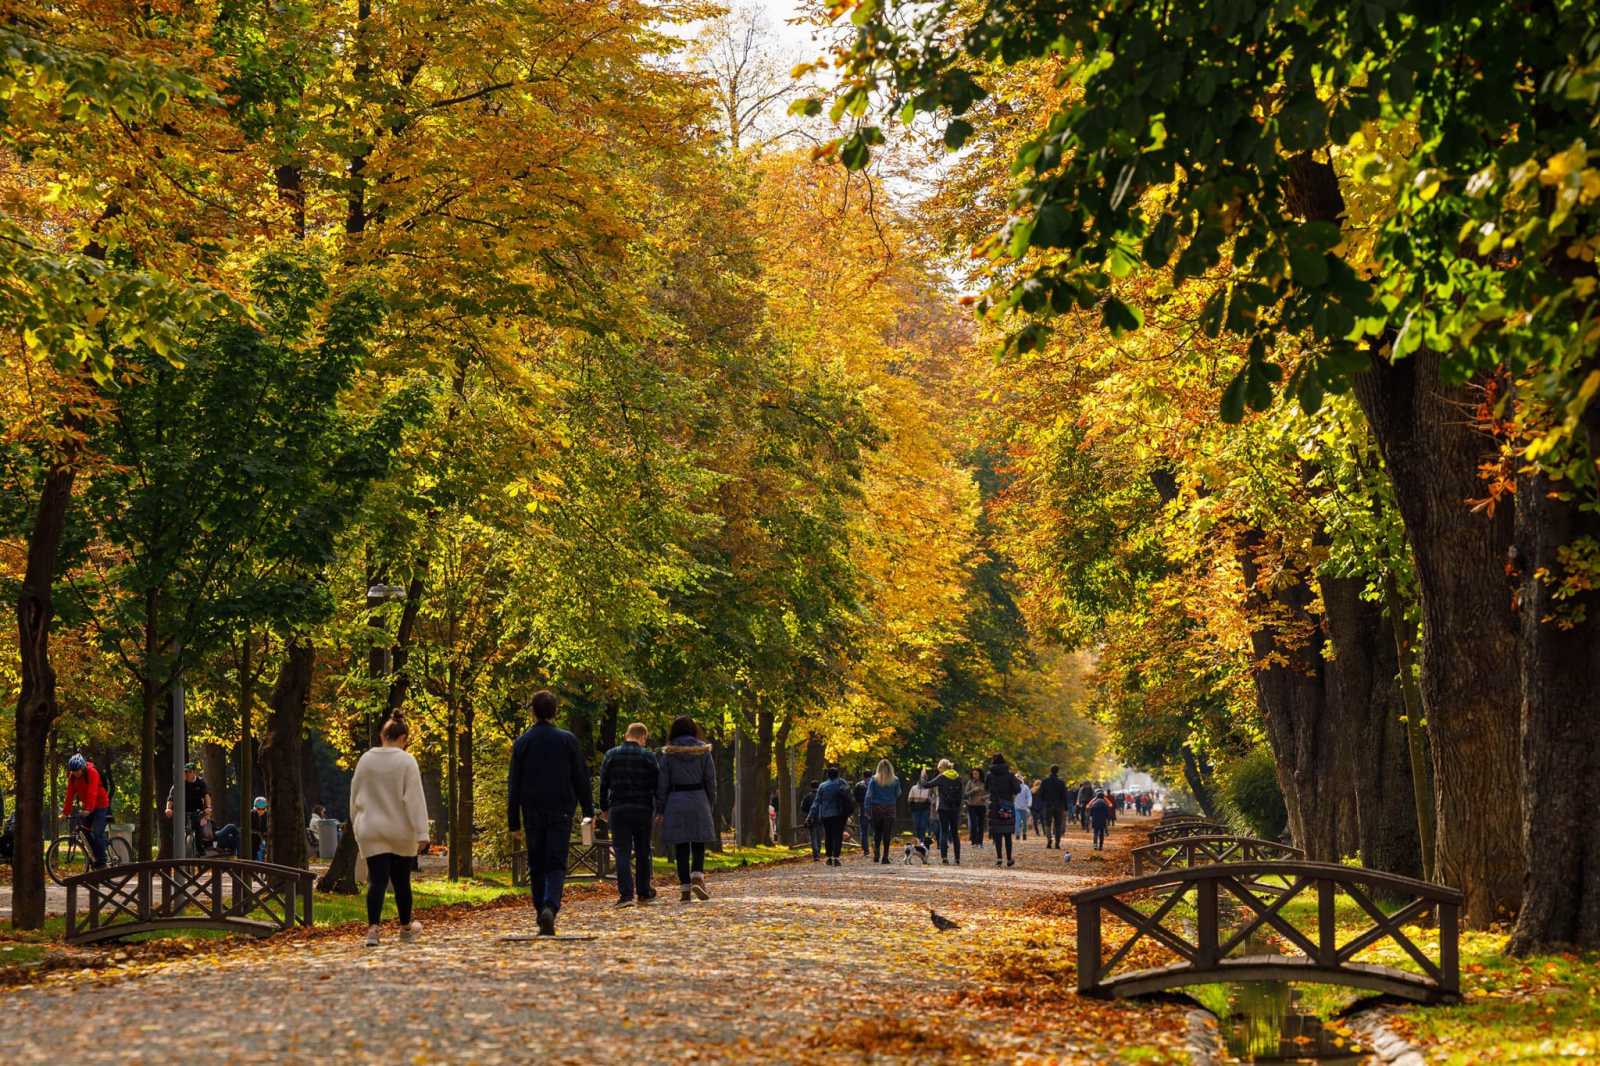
(372, 936)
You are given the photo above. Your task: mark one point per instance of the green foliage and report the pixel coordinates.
(1197, 133)
(1248, 790)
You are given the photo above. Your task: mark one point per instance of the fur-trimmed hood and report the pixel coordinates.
(686, 746)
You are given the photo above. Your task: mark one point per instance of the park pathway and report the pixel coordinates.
(792, 963)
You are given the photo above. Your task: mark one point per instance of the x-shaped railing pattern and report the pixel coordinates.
(1183, 912)
(186, 893)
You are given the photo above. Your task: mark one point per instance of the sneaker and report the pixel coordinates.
(621, 903)
(547, 922)
(645, 900)
(372, 936)
(1011, 862)
(943, 861)
(997, 862)
(410, 932)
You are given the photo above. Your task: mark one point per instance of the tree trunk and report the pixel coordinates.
(214, 767)
(723, 814)
(1303, 726)
(1469, 666)
(452, 772)
(243, 709)
(150, 775)
(286, 837)
(1363, 675)
(608, 725)
(1560, 710)
(816, 759)
(464, 790)
(1405, 636)
(36, 696)
(752, 782)
(787, 793)
(1196, 777)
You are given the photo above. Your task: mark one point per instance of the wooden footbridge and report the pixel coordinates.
(1187, 912)
(233, 895)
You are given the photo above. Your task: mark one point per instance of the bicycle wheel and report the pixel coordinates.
(118, 851)
(64, 858)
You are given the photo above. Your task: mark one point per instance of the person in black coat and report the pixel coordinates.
(1101, 813)
(1003, 787)
(548, 780)
(1053, 799)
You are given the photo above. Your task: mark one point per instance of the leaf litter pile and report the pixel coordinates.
(784, 964)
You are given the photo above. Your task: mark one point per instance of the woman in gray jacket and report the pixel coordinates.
(686, 795)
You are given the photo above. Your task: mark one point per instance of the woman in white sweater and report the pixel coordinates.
(390, 820)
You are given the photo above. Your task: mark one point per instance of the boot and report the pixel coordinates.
(686, 896)
(697, 885)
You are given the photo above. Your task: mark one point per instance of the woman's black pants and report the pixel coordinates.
(381, 870)
(691, 859)
(833, 834)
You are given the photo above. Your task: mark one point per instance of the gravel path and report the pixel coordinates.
(777, 963)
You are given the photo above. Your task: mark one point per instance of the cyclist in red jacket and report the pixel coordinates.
(84, 784)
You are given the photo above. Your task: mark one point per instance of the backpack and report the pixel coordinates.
(847, 801)
(106, 783)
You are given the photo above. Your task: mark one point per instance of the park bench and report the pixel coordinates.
(232, 895)
(585, 862)
(1184, 911)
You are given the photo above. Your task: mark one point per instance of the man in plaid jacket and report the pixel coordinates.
(628, 778)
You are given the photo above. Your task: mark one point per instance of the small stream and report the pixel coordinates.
(1267, 1021)
(1263, 1024)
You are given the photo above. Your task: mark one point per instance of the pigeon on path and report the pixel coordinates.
(941, 923)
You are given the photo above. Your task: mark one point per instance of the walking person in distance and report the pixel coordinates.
(686, 794)
(1003, 787)
(832, 809)
(1101, 813)
(812, 822)
(883, 792)
(920, 801)
(976, 795)
(389, 816)
(947, 792)
(1054, 798)
(1024, 805)
(547, 782)
(629, 776)
(858, 794)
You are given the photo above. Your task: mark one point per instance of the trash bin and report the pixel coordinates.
(327, 837)
(121, 831)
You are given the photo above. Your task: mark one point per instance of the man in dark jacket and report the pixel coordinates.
(628, 777)
(1052, 799)
(547, 780)
(859, 794)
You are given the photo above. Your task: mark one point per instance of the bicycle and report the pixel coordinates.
(70, 854)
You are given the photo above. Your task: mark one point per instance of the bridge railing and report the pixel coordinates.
(1184, 852)
(1173, 830)
(1184, 912)
(200, 893)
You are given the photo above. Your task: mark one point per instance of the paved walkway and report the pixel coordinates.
(785, 964)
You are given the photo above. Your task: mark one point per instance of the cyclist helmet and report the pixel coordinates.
(260, 804)
(76, 763)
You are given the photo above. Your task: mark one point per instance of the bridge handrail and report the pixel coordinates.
(1321, 957)
(1331, 871)
(1196, 843)
(1189, 828)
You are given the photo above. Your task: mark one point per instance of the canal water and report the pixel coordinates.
(1266, 1021)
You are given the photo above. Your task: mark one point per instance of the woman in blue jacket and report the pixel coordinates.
(883, 791)
(832, 807)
